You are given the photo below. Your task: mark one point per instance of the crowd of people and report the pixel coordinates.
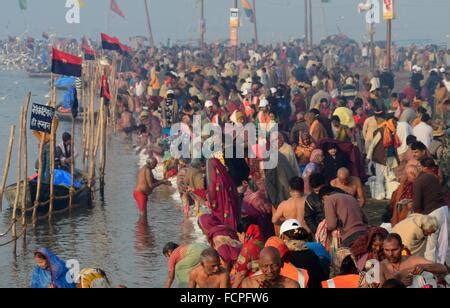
(344, 136)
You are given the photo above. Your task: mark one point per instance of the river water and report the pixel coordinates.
(109, 235)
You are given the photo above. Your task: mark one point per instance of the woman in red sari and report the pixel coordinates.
(369, 246)
(222, 238)
(247, 263)
(222, 194)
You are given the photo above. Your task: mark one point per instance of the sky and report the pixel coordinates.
(179, 20)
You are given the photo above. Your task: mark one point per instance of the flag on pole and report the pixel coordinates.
(116, 9)
(23, 4)
(104, 91)
(89, 53)
(248, 10)
(124, 49)
(66, 64)
(110, 43)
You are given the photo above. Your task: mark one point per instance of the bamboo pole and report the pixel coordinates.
(83, 105)
(87, 122)
(72, 163)
(7, 163)
(91, 132)
(19, 176)
(103, 124)
(52, 153)
(39, 179)
(25, 167)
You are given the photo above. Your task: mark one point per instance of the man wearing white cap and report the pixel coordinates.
(263, 118)
(212, 116)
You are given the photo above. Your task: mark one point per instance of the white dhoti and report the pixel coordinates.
(385, 183)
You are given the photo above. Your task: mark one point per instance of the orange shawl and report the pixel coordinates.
(390, 137)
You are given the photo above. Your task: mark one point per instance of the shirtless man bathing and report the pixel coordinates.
(145, 185)
(209, 274)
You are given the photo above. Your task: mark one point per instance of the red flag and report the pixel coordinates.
(116, 9)
(104, 91)
(110, 43)
(66, 64)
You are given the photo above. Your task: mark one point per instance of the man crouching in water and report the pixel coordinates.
(209, 274)
(145, 185)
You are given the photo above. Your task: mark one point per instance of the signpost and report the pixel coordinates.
(234, 25)
(41, 118)
(372, 9)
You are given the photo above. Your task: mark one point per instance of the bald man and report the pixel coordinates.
(209, 274)
(270, 266)
(145, 185)
(350, 184)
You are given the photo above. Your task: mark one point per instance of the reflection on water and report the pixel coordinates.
(110, 235)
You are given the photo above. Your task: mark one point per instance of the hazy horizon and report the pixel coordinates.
(278, 20)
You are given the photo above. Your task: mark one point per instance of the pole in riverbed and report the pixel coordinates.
(19, 175)
(7, 163)
(25, 167)
(52, 152)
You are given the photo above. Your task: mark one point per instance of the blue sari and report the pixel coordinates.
(56, 272)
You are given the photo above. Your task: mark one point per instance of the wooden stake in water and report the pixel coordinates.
(72, 163)
(19, 175)
(7, 163)
(39, 179)
(52, 153)
(25, 167)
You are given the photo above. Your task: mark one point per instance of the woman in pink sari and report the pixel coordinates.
(222, 194)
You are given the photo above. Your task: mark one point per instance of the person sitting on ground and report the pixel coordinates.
(295, 237)
(270, 265)
(209, 274)
(181, 261)
(350, 184)
(64, 152)
(294, 207)
(414, 231)
(404, 268)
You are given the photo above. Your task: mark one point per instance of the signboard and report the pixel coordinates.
(388, 9)
(41, 118)
(234, 18)
(373, 15)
